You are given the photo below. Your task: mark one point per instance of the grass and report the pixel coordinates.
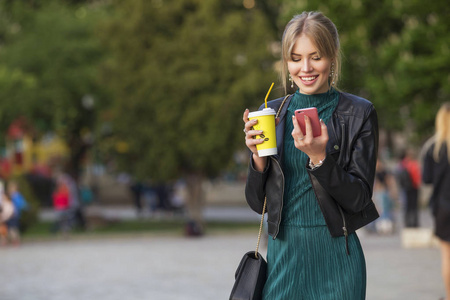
(42, 230)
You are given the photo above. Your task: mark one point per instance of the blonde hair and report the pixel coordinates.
(442, 131)
(323, 34)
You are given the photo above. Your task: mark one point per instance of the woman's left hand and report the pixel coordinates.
(314, 147)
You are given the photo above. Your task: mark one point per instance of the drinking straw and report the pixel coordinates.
(265, 100)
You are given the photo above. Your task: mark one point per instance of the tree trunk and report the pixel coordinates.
(194, 205)
(78, 150)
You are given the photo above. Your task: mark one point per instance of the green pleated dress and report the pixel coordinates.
(304, 261)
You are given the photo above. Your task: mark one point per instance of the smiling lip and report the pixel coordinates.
(308, 80)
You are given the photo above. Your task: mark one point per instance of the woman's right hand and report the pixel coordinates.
(259, 162)
(250, 141)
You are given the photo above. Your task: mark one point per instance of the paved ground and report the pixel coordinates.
(177, 268)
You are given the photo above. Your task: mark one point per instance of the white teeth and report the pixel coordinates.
(308, 78)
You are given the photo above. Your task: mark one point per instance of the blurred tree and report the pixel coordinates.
(14, 86)
(411, 75)
(396, 54)
(182, 73)
(48, 69)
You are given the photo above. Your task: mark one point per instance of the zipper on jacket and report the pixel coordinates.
(344, 228)
(282, 193)
(342, 122)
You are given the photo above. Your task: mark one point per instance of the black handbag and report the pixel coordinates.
(250, 275)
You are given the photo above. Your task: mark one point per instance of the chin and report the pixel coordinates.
(312, 90)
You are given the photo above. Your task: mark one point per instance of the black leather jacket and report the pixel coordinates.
(343, 184)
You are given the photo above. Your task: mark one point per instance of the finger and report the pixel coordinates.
(324, 129)
(245, 116)
(251, 133)
(308, 127)
(249, 124)
(297, 131)
(253, 142)
(277, 121)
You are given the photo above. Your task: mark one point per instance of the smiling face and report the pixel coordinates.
(308, 69)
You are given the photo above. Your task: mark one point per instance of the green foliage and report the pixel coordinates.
(182, 73)
(396, 53)
(13, 83)
(48, 63)
(413, 67)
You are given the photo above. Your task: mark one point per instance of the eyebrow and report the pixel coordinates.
(312, 53)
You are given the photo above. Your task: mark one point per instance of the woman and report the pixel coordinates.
(318, 189)
(436, 170)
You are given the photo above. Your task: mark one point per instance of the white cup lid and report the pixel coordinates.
(265, 112)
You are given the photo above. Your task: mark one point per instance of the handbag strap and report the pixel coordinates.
(265, 199)
(260, 227)
(281, 106)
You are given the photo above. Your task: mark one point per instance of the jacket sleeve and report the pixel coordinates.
(352, 187)
(255, 187)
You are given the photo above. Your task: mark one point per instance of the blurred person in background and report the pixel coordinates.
(6, 212)
(382, 196)
(409, 179)
(20, 204)
(319, 188)
(178, 196)
(436, 171)
(75, 205)
(137, 188)
(61, 204)
(66, 202)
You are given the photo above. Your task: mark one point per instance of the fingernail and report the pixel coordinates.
(321, 121)
(306, 117)
(293, 117)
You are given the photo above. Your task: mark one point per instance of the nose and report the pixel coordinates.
(306, 65)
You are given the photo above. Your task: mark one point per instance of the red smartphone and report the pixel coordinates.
(311, 112)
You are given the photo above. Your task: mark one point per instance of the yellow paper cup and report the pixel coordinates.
(266, 123)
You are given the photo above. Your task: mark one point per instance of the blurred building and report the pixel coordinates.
(23, 153)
